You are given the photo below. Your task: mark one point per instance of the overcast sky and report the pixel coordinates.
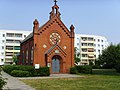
(98, 17)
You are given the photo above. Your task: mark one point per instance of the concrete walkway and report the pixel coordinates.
(14, 84)
(55, 76)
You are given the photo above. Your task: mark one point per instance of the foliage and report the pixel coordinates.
(117, 67)
(42, 71)
(110, 56)
(2, 81)
(9, 68)
(84, 69)
(73, 70)
(20, 73)
(76, 56)
(15, 59)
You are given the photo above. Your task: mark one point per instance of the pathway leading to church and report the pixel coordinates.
(14, 84)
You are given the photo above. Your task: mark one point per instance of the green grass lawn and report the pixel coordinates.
(99, 80)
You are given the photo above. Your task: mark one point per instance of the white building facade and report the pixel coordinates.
(10, 44)
(89, 47)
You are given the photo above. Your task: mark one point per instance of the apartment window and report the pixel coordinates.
(3, 35)
(84, 55)
(99, 51)
(3, 41)
(84, 38)
(2, 60)
(98, 45)
(77, 44)
(2, 47)
(84, 49)
(101, 40)
(18, 35)
(2, 53)
(10, 34)
(78, 38)
(90, 39)
(17, 48)
(24, 36)
(84, 44)
(9, 47)
(9, 41)
(90, 44)
(17, 41)
(98, 40)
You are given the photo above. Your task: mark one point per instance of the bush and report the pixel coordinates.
(42, 71)
(84, 69)
(19, 73)
(73, 70)
(117, 67)
(9, 68)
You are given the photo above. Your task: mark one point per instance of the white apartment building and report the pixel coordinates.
(89, 47)
(10, 44)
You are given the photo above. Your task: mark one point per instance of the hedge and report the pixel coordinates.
(84, 69)
(19, 73)
(73, 70)
(42, 71)
(117, 67)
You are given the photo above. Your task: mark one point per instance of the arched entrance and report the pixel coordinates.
(56, 64)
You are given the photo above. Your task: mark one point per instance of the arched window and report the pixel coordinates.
(23, 57)
(26, 56)
(31, 55)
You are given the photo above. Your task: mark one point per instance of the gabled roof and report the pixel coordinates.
(52, 48)
(47, 25)
(28, 37)
(51, 21)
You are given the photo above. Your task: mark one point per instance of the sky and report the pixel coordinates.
(94, 17)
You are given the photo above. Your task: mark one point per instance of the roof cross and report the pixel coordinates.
(55, 1)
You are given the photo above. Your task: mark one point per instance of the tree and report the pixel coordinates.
(76, 56)
(15, 60)
(110, 57)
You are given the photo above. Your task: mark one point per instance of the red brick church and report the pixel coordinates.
(51, 44)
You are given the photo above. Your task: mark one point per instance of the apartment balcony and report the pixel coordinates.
(8, 57)
(87, 46)
(12, 50)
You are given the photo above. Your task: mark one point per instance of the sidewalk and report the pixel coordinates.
(54, 76)
(14, 84)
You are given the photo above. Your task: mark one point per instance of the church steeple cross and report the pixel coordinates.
(55, 1)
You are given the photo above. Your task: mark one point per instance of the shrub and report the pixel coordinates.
(19, 73)
(43, 71)
(9, 68)
(117, 67)
(73, 70)
(84, 69)
(2, 81)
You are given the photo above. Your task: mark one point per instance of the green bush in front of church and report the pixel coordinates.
(26, 71)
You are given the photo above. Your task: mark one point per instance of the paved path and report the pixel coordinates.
(14, 84)
(55, 76)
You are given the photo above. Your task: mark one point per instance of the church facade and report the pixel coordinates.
(51, 44)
